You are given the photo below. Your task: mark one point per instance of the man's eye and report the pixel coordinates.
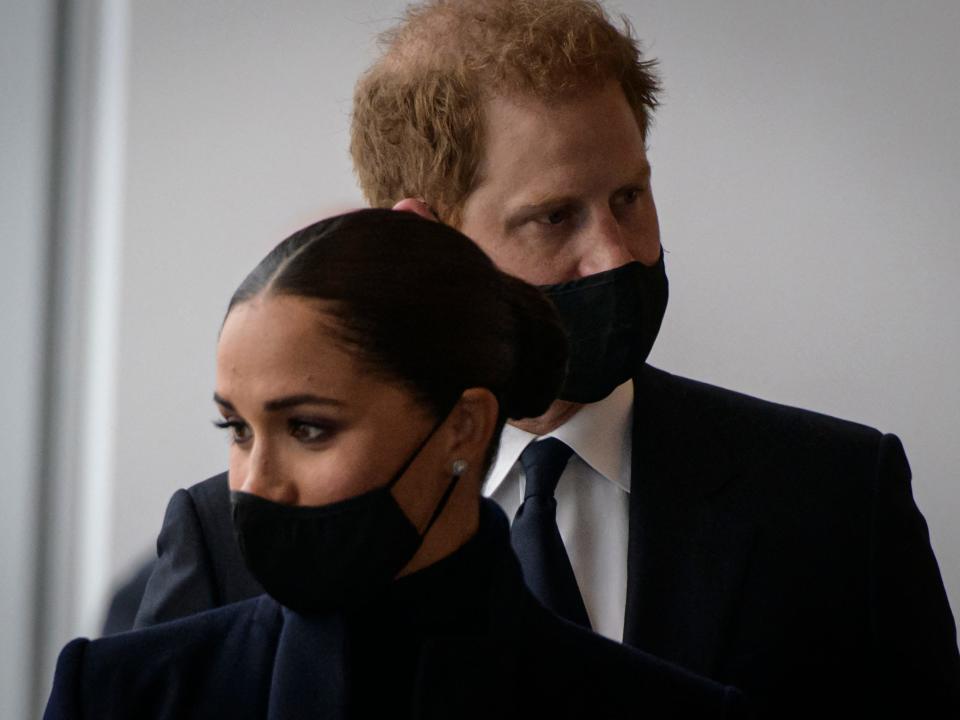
(239, 431)
(631, 195)
(555, 217)
(309, 432)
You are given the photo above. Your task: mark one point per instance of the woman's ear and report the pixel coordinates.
(471, 426)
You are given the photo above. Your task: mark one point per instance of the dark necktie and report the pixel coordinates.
(536, 538)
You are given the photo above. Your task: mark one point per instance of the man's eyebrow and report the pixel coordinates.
(642, 175)
(539, 204)
(283, 403)
(545, 202)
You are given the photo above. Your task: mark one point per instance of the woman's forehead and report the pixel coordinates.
(281, 339)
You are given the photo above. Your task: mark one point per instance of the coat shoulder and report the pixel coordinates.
(717, 403)
(205, 635)
(754, 432)
(174, 664)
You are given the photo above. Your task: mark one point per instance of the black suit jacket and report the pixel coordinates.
(771, 548)
(255, 659)
(126, 600)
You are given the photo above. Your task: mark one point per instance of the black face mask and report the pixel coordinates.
(612, 319)
(329, 557)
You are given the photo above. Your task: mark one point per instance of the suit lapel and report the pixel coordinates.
(687, 553)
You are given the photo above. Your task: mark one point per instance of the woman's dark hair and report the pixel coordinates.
(420, 303)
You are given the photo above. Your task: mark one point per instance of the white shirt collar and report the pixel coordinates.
(599, 433)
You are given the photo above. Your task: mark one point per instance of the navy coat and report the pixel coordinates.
(770, 548)
(506, 657)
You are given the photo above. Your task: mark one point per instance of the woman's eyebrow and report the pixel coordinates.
(223, 402)
(283, 403)
(303, 399)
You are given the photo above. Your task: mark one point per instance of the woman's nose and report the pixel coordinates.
(262, 475)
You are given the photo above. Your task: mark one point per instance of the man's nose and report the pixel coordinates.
(261, 475)
(604, 247)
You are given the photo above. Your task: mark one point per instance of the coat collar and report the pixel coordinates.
(310, 676)
(308, 679)
(462, 676)
(687, 552)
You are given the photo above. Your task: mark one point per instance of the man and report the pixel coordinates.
(767, 547)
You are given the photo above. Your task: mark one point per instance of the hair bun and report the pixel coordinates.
(540, 352)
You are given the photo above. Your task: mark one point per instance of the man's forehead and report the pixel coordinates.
(541, 145)
(506, 114)
(574, 93)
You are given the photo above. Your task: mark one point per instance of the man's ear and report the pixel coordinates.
(471, 427)
(417, 207)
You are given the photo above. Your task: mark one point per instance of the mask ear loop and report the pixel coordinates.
(413, 456)
(454, 479)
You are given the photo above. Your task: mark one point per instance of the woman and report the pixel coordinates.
(364, 371)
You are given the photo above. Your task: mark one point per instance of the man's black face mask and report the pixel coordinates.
(612, 319)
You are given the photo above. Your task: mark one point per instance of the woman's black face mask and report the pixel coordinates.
(612, 319)
(330, 557)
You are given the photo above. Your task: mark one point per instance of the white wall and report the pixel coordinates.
(806, 166)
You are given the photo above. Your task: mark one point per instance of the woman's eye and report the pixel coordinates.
(239, 432)
(631, 195)
(309, 432)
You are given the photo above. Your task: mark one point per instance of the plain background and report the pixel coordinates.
(806, 168)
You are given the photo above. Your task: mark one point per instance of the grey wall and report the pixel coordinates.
(237, 136)
(805, 164)
(26, 56)
(806, 167)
